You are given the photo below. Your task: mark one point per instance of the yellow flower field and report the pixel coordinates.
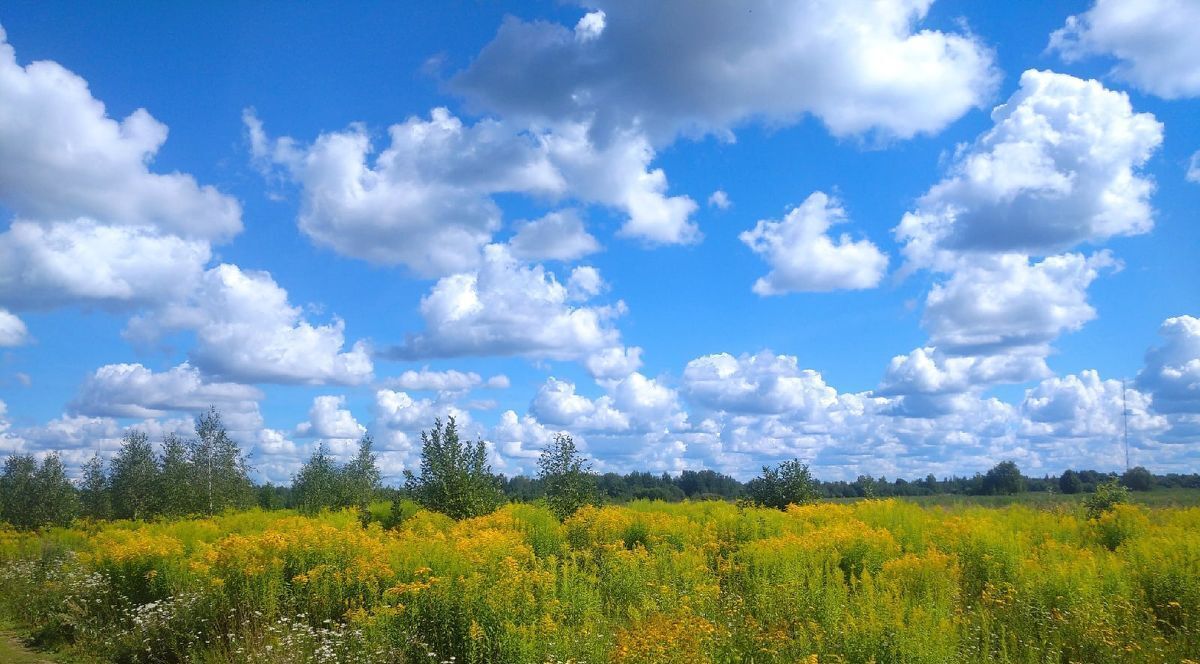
(876, 581)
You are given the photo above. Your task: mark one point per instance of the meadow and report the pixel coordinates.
(872, 581)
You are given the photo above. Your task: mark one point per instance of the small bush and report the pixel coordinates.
(1107, 495)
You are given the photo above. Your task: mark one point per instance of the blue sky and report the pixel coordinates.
(898, 239)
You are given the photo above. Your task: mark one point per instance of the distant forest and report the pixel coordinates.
(209, 473)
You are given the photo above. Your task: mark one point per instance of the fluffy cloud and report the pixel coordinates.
(1083, 405)
(804, 258)
(519, 440)
(928, 372)
(1153, 41)
(614, 363)
(755, 384)
(398, 412)
(1172, 371)
(426, 200)
(334, 425)
(720, 200)
(132, 390)
(1078, 420)
(398, 422)
(46, 265)
(678, 66)
(616, 173)
(1193, 171)
(1060, 167)
(633, 404)
(426, 380)
(557, 403)
(558, 236)
(247, 330)
(10, 443)
(62, 157)
(506, 308)
(79, 436)
(12, 330)
(1004, 301)
(94, 224)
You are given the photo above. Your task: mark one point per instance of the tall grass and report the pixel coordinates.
(872, 581)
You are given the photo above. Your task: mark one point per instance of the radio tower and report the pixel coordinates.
(1125, 415)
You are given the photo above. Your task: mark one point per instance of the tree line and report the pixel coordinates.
(208, 474)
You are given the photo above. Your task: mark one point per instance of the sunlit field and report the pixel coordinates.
(872, 581)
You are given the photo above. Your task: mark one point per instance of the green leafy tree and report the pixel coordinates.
(1069, 482)
(316, 486)
(789, 483)
(134, 478)
(18, 494)
(1003, 479)
(219, 469)
(57, 498)
(1138, 479)
(455, 478)
(175, 496)
(566, 477)
(94, 497)
(361, 478)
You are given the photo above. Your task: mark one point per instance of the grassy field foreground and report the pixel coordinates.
(881, 581)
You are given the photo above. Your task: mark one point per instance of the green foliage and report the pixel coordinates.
(1069, 483)
(94, 494)
(316, 486)
(201, 476)
(789, 483)
(176, 493)
(1107, 496)
(18, 494)
(323, 484)
(220, 476)
(361, 477)
(1138, 479)
(36, 495)
(566, 477)
(134, 478)
(1003, 479)
(455, 478)
(58, 501)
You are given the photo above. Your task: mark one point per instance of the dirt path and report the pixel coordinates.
(12, 651)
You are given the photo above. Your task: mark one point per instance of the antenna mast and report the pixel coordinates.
(1125, 414)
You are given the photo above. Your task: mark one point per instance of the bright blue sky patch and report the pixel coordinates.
(891, 238)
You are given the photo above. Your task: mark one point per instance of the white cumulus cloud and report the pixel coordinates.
(670, 67)
(425, 201)
(803, 257)
(1172, 370)
(507, 308)
(247, 330)
(1002, 301)
(1153, 42)
(558, 236)
(12, 330)
(1060, 166)
(132, 390)
(62, 157)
